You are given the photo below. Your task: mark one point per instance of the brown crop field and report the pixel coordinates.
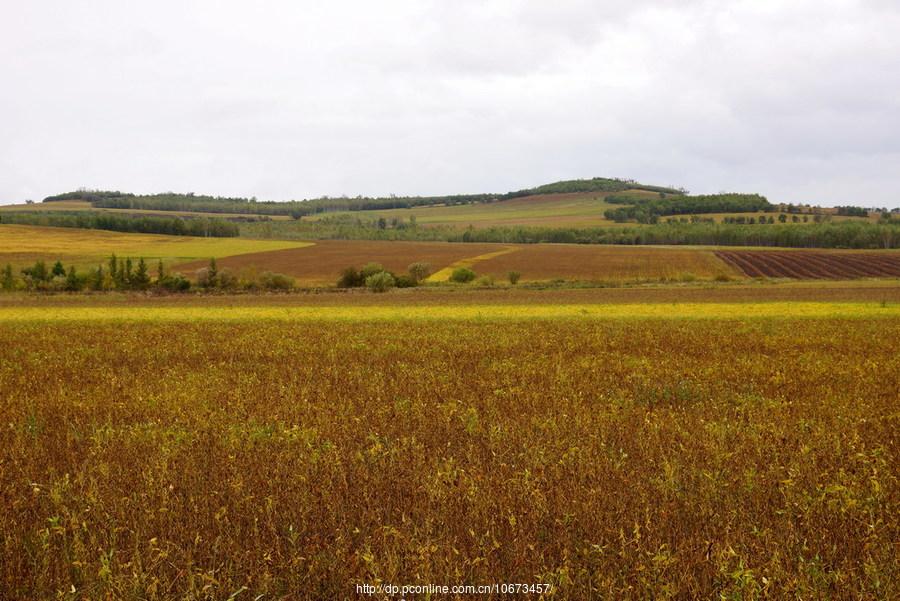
(614, 458)
(322, 262)
(603, 262)
(803, 264)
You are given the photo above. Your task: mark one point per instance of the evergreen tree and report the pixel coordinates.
(98, 278)
(58, 269)
(127, 275)
(212, 277)
(8, 280)
(114, 268)
(141, 279)
(73, 282)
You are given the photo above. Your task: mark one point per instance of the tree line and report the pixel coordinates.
(171, 201)
(134, 275)
(173, 226)
(649, 210)
(858, 235)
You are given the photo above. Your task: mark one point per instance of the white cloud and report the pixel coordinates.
(281, 99)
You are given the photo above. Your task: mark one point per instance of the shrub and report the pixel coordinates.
(462, 275)
(370, 269)
(405, 281)
(227, 279)
(419, 271)
(203, 278)
(351, 278)
(174, 282)
(513, 277)
(380, 282)
(276, 281)
(485, 280)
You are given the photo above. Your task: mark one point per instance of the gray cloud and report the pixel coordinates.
(281, 99)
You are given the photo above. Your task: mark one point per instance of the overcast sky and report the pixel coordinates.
(280, 99)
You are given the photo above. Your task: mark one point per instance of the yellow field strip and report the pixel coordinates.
(743, 311)
(59, 242)
(444, 274)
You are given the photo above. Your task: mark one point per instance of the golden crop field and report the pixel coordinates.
(577, 209)
(24, 244)
(293, 447)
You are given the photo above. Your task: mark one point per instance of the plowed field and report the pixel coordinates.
(807, 265)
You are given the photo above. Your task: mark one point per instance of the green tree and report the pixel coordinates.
(212, 274)
(129, 268)
(73, 282)
(98, 282)
(8, 280)
(141, 278)
(38, 272)
(58, 269)
(513, 277)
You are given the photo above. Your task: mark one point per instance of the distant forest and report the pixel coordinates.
(650, 210)
(173, 226)
(171, 201)
(825, 234)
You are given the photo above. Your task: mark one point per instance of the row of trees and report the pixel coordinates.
(649, 210)
(173, 226)
(811, 235)
(128, 274)
(770, 219)
(117, 275)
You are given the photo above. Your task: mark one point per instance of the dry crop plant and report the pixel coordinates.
(622, 459)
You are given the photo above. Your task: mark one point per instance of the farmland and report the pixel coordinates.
(813, 264)
(575, 209)
(22, 244)
(321, 263)
(596, 440)
(83, 205)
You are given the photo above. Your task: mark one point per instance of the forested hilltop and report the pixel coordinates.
(583, 211)
(171, 201)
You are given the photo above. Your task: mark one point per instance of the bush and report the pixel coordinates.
(351, 278)
(406, 281)
(204, 279)
(227, 279)
(513, 277)
(380, 282)
(174, 283)
(484, 280)
(276, 281)
(419, 271)
(370, 269)
(462, 275)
